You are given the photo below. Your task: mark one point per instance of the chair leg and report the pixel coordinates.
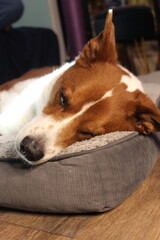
(124, 58)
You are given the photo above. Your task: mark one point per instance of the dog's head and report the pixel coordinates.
(93, 97)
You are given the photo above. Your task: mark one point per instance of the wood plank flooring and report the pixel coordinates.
(138, 218)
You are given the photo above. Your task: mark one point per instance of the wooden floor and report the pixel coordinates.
(138, 218)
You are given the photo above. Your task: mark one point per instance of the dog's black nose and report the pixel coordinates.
(30, 148)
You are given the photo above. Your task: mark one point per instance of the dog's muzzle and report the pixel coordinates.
(31, 149)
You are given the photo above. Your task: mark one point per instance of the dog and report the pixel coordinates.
(90, 96)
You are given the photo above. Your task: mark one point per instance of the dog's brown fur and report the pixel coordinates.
(37, 72)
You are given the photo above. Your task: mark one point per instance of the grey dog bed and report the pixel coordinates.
(91, 176)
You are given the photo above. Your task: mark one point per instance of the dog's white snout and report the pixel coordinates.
(37, 141)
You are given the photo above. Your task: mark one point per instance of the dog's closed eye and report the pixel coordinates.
(88, 134)
(63, 99)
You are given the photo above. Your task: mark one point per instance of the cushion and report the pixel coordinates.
(91, 176)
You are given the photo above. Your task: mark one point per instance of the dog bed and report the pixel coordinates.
(92, 176)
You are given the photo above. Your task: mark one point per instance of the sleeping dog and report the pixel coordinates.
(90, 96)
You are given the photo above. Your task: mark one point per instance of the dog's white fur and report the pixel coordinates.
(132, 82)
(25, 100)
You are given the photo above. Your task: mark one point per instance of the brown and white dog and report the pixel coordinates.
(90, 96)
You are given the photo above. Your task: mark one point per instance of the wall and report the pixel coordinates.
(36, 14)
(43, 13)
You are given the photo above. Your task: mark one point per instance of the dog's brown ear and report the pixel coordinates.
(146, 116)
(100, 48)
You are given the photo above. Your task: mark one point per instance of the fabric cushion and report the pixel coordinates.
(92, 176)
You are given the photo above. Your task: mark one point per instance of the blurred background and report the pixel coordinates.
(58, 30)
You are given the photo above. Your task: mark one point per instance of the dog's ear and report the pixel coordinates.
(145, 116)
(102, 47)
